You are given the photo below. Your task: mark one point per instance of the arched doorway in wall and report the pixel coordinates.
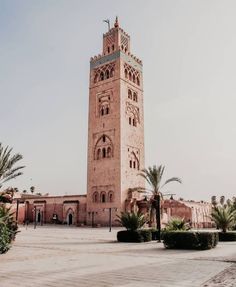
(39, 217)
(70, 219)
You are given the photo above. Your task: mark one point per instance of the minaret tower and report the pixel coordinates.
(115, 128)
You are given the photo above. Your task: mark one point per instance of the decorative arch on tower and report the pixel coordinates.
(110, 196)
(104, 72)
(103, 148)
(133, 160)
(132, 112)
(132, 74)
(103, 197)
(95, 196)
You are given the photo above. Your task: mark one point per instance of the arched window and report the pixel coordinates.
(125, 49)
(101, 76)
(122, 47)
(99, 153)
(103, 197)
(126, 74)
(113, 47)
(134, 164)
(129, 94)
(111, 72)
(103, 152)
(102, 111)
(107, 74)
(104, 143)
(107, 110)
(130, 120)
(138, 82)
(135, 97)
(134, 123)
(95, 197)
(109, 152)
(130, 76)
(110, 196)
(134, 78)
(130, 163)
(108, 50)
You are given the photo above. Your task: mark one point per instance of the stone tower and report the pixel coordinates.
(115, 128)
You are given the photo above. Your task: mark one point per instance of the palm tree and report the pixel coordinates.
(8, 161)
(222, 200)
(32, 189)
(153, 175)
(224, 217)
(214, 201)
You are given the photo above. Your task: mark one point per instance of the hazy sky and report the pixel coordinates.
(188, 50)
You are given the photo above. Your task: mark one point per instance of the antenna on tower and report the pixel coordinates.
(108, 23)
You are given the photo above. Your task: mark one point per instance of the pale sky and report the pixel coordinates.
(188, 50)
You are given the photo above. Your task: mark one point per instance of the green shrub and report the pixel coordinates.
(129, 236)
(154, 233)
(224, 217)
(177, 223)
(8, 228)
(5, 239)
(190, 240)
(131, 220)
(207, 240)
(227, 236)
(146, 234)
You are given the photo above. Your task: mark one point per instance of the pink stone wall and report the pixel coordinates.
(114, 173)
(49, 205)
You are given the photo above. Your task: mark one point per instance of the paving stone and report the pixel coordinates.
(60, 256)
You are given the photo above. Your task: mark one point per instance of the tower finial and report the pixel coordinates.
(116, 22)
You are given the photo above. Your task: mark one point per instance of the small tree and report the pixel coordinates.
(131, 221)
(153, 176)
(8, 170)
(224, 217)
(177, 223)
(32, 189)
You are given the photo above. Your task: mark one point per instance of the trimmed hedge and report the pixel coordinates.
(154, 232)
(190, 240)
(227, 236)
(146, 234)
(142, 235)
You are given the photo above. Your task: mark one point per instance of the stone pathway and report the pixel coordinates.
(225, 278)
(83, 257)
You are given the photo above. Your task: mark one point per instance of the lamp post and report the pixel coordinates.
(17, 209)
(34, 210)
(110, 215)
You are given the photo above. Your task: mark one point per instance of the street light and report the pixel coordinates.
(34, 210)
(110, 215)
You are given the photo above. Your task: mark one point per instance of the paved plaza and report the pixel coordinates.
(63, 256)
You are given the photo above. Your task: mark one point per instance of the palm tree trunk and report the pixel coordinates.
(158, 216)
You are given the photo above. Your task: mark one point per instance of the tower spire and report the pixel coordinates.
(116, 25)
